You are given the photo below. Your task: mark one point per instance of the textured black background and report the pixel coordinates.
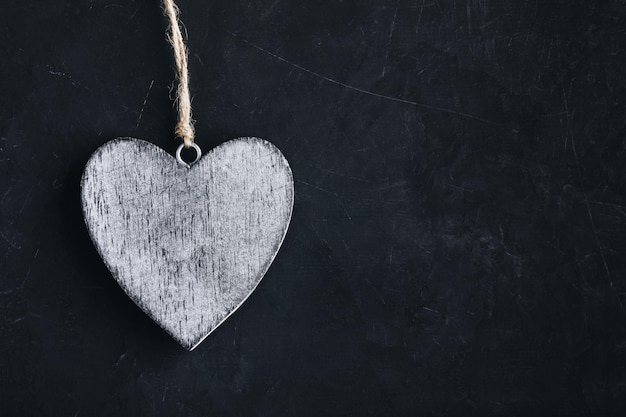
(457, 245)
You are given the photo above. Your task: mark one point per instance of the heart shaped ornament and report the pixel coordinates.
(188, 244)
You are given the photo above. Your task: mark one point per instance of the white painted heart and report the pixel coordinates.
(188, 245)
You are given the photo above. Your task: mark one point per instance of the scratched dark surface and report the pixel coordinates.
(457, 245)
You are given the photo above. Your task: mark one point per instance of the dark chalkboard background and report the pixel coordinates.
(457, 245)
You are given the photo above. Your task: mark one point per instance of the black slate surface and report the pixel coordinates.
(457, 245)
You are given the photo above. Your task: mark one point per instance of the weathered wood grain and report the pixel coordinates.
(188, 245)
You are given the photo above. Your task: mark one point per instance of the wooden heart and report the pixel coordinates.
(187, 244)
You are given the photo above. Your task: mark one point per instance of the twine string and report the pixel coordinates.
(184, 127)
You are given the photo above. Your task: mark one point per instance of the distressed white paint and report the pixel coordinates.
(188, 245)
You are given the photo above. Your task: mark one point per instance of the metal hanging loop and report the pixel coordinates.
(198, 154)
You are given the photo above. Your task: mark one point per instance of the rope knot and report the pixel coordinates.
(185, 131)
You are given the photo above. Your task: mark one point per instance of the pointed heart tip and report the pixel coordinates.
(187, 345)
